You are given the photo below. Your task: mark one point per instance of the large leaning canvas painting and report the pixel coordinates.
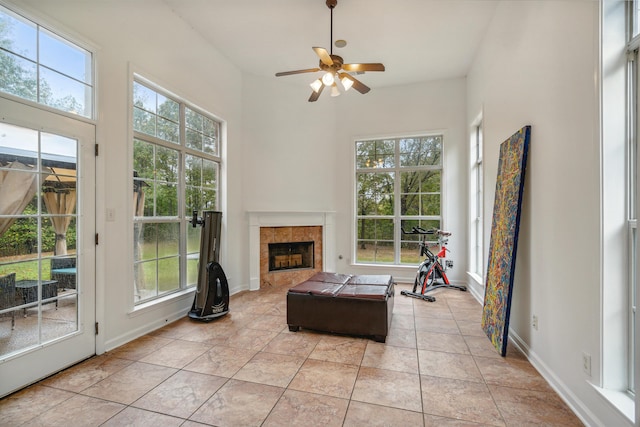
(504, 238)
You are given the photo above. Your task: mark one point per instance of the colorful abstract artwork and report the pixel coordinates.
(504, 238)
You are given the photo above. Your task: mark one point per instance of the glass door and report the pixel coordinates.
(47, 249)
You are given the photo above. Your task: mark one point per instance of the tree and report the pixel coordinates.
(419, 173)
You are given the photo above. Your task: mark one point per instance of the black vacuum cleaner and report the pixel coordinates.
(212, 294)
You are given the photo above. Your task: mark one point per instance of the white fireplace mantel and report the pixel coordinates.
(259, 219)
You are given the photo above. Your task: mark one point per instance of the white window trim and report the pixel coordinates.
(476, 203)
(354, 196)
(136, 308)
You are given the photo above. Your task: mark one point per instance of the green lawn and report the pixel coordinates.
(25, 267)
(385, 255)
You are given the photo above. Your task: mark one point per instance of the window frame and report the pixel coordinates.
(89, 99)
(397, 218)
(633, 80)
(633, 120)
(182, 218)
(476, 203)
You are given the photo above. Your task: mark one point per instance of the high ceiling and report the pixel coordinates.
(416, 40)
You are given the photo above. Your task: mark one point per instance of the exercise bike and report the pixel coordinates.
(431, 272)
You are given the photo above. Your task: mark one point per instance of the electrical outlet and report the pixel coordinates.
(534, 322)
(586, 363)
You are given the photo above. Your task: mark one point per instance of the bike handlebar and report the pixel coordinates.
(420, 230)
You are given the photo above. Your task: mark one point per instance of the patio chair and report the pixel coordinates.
(8, 295)
(64, 271)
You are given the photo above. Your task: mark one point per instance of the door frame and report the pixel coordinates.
(46, 359)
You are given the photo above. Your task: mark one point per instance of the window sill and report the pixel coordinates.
(402, 266)
(619, 400)
(162, 301)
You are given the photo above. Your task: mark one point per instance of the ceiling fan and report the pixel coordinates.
(336, 72)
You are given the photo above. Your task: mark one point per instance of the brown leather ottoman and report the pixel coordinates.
(344, 304)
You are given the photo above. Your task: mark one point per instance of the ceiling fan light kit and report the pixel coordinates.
(336, 72)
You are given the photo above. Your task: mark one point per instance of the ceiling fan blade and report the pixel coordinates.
(357, 84)
(288, 73)
(363, 67)
(315, 95)
(323, 55)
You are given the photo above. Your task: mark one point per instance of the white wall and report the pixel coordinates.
(412, 109)
(538, 65)
(299, 155)
(149, 39)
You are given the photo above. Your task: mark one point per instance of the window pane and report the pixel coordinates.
(144, 98)
(63, 148)
(375, 241)
(201, 132)
(168, 239)
(145, 241)
(375, 154)
(58, 54)
(155, 114)
(166, 164)
(149, 199)
(209, 198)
(375, 193)
(168, 130)
(193, 170)
(193, 253)
(168, 175)
(421, 151)
(201, 177)
(382, 201)
(193, 239)
(420, 192)
(193, 119)
(166, 200)
(209, 145)
(65, 70)
(192, 269)
(146, 280)
(63, 93)
(168, 275)
(194, 140)
(168, 108)
(430, 204)
(143, 159)
(193, 199)
(21, 238)
(209, 173)
(210, 127)
(18, 76)
(19, 35)
(636, 13)
(144, 121)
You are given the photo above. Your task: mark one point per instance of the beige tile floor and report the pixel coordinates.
(437, 368)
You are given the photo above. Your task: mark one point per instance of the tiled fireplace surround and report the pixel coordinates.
(280, 227)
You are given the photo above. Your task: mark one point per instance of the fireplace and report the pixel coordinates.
(291, 255)
(267, 228)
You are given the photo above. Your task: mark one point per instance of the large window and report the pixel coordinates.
(633, 82)
(475, 204)
(398, 185)
(38, 65)
(176, 166)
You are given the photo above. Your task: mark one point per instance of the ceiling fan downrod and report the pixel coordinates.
(331, 4)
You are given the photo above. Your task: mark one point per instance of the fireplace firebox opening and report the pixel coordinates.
(289, 256)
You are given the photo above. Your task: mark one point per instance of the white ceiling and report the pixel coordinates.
(416, 40)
